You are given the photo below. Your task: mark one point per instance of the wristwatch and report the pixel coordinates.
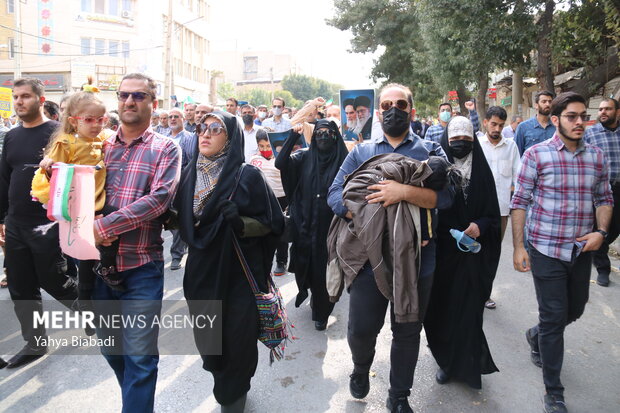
(602, 232)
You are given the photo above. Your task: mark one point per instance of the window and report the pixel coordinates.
(250, 64)
(87, 6)
(11, 48)
(99, 46)
(113, 7)
(127, 5)
(10, 6)
(100, 6)
(85, 45)
(113, 46)
(126, 50)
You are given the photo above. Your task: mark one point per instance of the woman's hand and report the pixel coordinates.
(472, 230)
(230, 212)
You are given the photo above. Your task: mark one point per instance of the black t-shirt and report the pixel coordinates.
(22, 146)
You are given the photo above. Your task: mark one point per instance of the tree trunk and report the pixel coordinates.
(463, 97)
(597, 77)
(483, 87)
(543, 66)
(517, 93)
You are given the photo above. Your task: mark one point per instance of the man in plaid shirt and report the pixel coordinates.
(562, 180)
(606, 135)
(143, 170)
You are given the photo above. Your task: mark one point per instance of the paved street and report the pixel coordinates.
(314, 375)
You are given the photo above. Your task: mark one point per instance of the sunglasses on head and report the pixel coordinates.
(401, 104)
(91, 120)
(136, 96)
(213, 129)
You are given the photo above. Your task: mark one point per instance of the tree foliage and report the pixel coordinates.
(305, 88)
(434, 46)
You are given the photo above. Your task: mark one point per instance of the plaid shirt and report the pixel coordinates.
(609, 142)
(141, 180)
(435, 132)
(562, 188)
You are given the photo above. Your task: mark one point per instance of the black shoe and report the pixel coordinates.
(359, 385)
(26, 355)
(320, 325)
(441, 376)
(280, 269)
(400, 405)
(603, 280)
(175, 265)
(3, 363)
(553, 403)
(534, 354)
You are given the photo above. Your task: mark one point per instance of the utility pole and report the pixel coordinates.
(168, 81)
(271, 76)
(17, 48)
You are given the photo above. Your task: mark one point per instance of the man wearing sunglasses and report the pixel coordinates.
(367, 305)
(562, 180)
(143, 170)
(606, 135)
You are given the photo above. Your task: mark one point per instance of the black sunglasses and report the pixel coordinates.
(136, 96)
(325, 134)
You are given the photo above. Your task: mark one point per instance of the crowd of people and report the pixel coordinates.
(411, 218)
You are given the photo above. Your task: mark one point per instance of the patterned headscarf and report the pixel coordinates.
(208, 169)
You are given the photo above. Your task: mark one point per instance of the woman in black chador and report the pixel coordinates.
(463, 280)
(306, 177)
(207, 221)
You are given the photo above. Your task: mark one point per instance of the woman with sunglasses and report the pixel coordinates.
(306, 177)
(218, 200)
(463, 280)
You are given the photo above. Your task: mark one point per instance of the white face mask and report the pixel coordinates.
(277, 111)
(262, 115)
(285, 116)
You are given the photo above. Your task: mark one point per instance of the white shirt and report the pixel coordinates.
(268, 166)
(505, 162)
(249, 140)
(507, 132)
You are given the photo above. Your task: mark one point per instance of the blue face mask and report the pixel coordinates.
(464, 242)
(445, 116)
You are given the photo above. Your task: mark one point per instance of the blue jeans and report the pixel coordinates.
(135, 357)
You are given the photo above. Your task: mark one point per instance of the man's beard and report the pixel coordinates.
(608, 123)
(544, 112)
(361, 122)
(32, 113)
(564, 132)
(351, 124)
(495, 137)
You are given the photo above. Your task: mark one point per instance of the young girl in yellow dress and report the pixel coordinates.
(79, 140)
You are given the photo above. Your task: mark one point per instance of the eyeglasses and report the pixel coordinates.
(573, 117)
(136, 96)
(277, 106)
(401, 104)
(213, 129)
(174, 116)
(325, 134)
(91, 120)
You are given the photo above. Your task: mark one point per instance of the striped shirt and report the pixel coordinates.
(141, 182)
(561, 188)
(435, 132)
(609, 141)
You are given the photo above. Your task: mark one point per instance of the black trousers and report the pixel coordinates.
(367, 308)
(35, 261)
(282, 251)
(600, 257)
(562, 290)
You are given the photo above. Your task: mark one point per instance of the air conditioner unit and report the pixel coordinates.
(126, 14)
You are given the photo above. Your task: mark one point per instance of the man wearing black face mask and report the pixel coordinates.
(250, 147)
(367, 305)
(306, 177)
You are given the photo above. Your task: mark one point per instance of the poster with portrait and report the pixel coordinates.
(357, 108)
(276, 140)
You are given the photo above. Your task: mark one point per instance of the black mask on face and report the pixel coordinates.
(395, 121)
(325, 140)
(460, 149)
(248, 119)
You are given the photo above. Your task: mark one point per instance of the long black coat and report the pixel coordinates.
(463, 280)
(306, 177)
(213, 271)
